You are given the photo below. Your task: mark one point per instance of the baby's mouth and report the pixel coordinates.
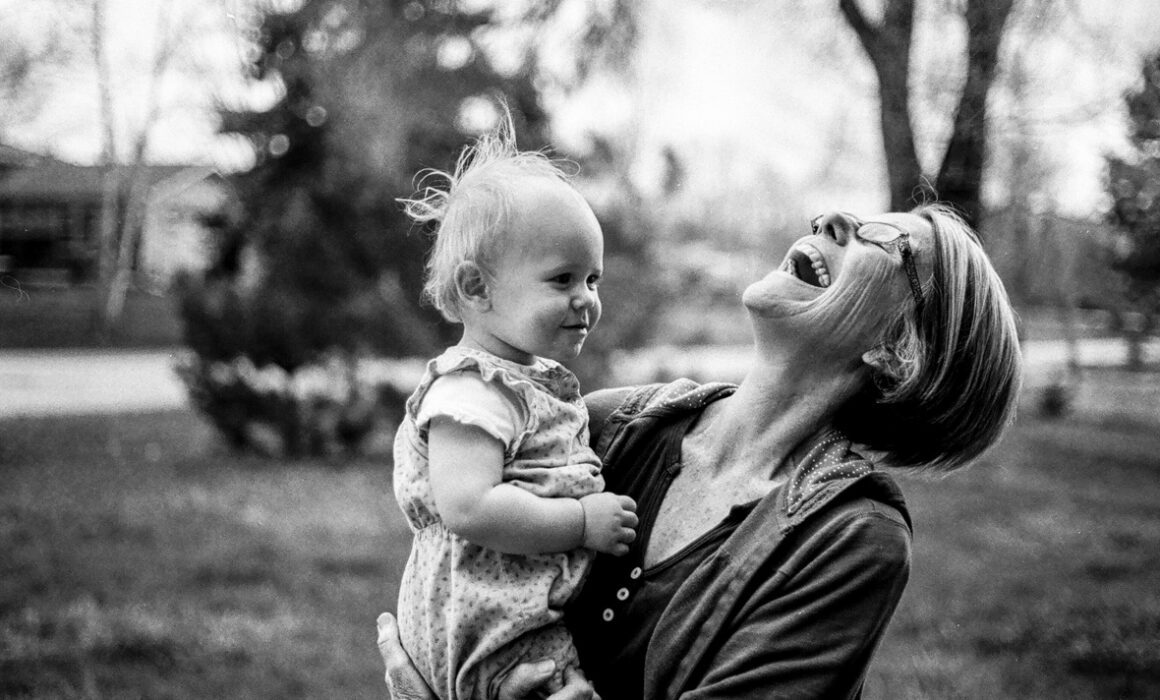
(806, 264)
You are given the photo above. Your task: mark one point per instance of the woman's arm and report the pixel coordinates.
(466, 469)
(811, 632)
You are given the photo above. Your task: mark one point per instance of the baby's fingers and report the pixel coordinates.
(627, 535)
(629, 519)
(620, 545)
(576, 687)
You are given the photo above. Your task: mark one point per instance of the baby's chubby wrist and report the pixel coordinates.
(608, 522)
(583, 527)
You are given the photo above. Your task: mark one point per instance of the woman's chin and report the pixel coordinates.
(779, 294)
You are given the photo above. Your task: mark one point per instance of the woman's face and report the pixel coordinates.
(840, 287)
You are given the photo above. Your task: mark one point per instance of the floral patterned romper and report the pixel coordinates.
(466, 613)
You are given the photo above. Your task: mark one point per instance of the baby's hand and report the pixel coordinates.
(609, 522)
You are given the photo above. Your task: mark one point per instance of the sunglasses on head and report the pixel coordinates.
(886, 235)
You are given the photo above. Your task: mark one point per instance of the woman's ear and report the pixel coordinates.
(885, 367)
(471, 283)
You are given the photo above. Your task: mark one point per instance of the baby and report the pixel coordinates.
(492, 465)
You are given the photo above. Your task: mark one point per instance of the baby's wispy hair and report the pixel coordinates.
(470, 207)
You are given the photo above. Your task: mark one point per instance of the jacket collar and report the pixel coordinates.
(824, 466)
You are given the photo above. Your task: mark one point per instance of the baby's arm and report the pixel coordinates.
(466, 466)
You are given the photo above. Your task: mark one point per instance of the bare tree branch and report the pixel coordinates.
(136, 203)
(857, 20)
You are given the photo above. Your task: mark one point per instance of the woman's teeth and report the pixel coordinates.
(817, 274)
(823, 275)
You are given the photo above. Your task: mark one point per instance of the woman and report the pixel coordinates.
(770, 554)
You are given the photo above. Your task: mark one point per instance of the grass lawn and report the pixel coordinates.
(138, 559)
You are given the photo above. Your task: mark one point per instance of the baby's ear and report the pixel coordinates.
(471, 283)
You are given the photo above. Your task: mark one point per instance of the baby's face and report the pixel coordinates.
(543, 298)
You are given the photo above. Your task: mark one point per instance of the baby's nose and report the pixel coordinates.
(584, 298)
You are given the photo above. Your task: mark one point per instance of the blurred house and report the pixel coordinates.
(50, 218)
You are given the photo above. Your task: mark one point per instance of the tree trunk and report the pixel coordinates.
(1065, 263)
(123, 243)
(1139, 331)
(888, 46)
(111, 186)
(127, 243)
(960, 178)
(1135, 340)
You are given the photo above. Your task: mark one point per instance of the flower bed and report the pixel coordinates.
(340, 404)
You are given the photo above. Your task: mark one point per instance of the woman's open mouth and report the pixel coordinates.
(806, 264)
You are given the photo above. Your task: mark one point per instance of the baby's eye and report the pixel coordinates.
(593, 280)
(562, 279)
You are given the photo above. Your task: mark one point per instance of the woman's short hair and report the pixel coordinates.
(946, 383)
(470, 209)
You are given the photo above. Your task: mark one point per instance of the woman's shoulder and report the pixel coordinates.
(616, 415)
(662, 396)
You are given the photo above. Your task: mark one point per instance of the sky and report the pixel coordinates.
(754, 101)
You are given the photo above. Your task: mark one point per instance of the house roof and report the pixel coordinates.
(12, 157)
(57, 181)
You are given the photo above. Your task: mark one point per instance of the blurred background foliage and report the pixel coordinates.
(1134, 189)
(317, 253)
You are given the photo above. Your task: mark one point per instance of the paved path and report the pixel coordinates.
(42, 382)
(729, 363)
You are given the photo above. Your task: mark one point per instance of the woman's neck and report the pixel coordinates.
(780, 404)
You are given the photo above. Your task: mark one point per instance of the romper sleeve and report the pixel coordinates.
(814, 637)
(466, 398)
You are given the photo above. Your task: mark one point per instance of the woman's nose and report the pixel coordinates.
(838, 225)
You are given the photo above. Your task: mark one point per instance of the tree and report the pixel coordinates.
(1134, 187)
(22, 63)
(126, 131)
(123, 197)
(887, 43)
(371, 92)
